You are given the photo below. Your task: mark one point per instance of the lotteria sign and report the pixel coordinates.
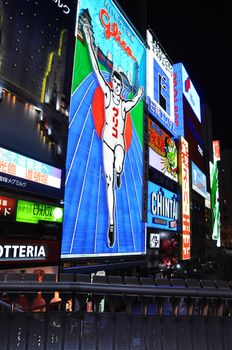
(13, 251)
(216, 222)
(33, 212)
(162, 208)
(160, 88)
(22, 251)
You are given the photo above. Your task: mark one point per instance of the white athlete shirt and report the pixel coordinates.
(113, 132)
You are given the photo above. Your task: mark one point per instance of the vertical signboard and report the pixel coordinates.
(215, 193)
(160, 88)
(183, 84)
(104, 167)
(184, 182)
(188, 113)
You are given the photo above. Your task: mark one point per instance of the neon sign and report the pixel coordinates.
(33, 212)
(162, 151)
(7, 208)
(162, 208)
(9, 252)
(110, 223)
(17, 165)
(199, 181)
(184, 181)
(184, 86)
(113, 31)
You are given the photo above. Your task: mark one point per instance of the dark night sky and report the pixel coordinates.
(200, 38)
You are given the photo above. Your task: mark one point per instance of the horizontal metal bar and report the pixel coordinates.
(9, 307)
(118, 289)
(105, 267)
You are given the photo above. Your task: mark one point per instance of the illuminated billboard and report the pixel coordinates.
(185, 189)
(216, 223)
(20, 172)
(36, 57)
(33, 212)
(184, 84)
(199, 181)
(162, 208)
(7, 208)
(188, 113)
(162, 151)
(193, 134)
(104, 166)
(160, 88)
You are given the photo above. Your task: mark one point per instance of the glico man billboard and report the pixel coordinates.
(104, 167)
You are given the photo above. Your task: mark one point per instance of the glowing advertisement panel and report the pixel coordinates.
(7, 208)
(216, 224)
(162, 151)
(178, 100)
(162, 208)
(199, 181)
(184, 182)
(193, 134)
(33, 212)
(187, 88)
(18, 171)
(104, 167)
(160, 88)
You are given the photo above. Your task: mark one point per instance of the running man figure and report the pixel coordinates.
(113, 138)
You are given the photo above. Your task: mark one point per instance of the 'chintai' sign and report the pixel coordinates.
(162, 208)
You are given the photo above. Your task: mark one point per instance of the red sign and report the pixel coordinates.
(7, 208)
(184, 180)
(157, 138)
(112, 30)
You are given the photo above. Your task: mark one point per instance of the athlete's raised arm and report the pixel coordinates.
(128, 105)
(89, 40)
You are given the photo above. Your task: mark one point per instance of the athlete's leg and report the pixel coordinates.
(119, 163)
(108, 162)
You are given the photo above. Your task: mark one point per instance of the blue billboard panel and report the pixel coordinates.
(162, 208)
(104, 166)
(160, 90)
(199, 181)
(184, 86)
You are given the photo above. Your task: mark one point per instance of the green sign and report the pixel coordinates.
(33, 212)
